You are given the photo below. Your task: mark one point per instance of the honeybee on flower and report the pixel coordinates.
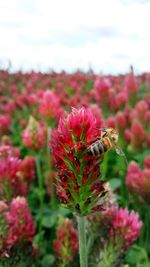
(108, 139)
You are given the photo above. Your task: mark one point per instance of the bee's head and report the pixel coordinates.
(111, 133)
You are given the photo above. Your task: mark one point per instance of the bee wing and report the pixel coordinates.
(120, 152)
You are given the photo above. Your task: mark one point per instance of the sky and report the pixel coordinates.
(105, 35)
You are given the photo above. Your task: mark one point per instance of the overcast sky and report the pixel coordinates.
(108, 35)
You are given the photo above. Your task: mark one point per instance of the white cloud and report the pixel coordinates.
(110, 35)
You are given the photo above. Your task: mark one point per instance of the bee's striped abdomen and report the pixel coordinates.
(96, 148)
(99, 147)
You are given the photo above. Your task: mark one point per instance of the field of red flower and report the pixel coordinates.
(71, 192)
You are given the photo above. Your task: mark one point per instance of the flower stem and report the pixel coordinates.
(52, 188)
(40, 184)
(82, 241)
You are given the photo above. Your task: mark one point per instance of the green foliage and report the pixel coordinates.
(137, 257)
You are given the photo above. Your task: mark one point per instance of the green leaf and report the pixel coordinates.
(48, 260)
(64, 212)
(70, 90)
(49, 221)
(137, 255)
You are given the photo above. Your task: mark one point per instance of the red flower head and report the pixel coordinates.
(133, 178)
(111, 122)
(138, 181)
(141, 110)
(102, 86)
(50, 106)
(131, 85)
(116, 230)
(15, 174)
(78, 185)
(121, 121)
(34, 136)
(16, 225)
(21, 225)
(128, 135)
(5, 121)
(122, 228)
(138, 134)
(121, 100)
(66, 243)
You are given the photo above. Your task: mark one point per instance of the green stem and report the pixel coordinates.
(82, 241)
(40, 184)
(52, 188)
(90, 242)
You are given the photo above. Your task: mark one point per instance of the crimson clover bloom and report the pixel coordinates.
(138, 180)
(126, 227)
(115, 231)
(16, 175)
(78, 185)
(16, 225)
(50, 106)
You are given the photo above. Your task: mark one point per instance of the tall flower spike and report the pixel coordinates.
(78, 185)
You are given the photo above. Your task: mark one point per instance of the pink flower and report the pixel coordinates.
(117, 228)
(5, 122)
(121, 100)
(16, 225)
(50, 106)
(66, 243)
(102, 86)
(19, 219)
(131, 85)
(34, 136)
(138, 181)
(111, 122)
(133, 178)
(141, 109)
(128, 136)
(15, 175)
(121, 121)
(8, 177)
(125, 228)
(138, 134)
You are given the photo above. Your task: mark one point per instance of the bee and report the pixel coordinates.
(108, 139)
